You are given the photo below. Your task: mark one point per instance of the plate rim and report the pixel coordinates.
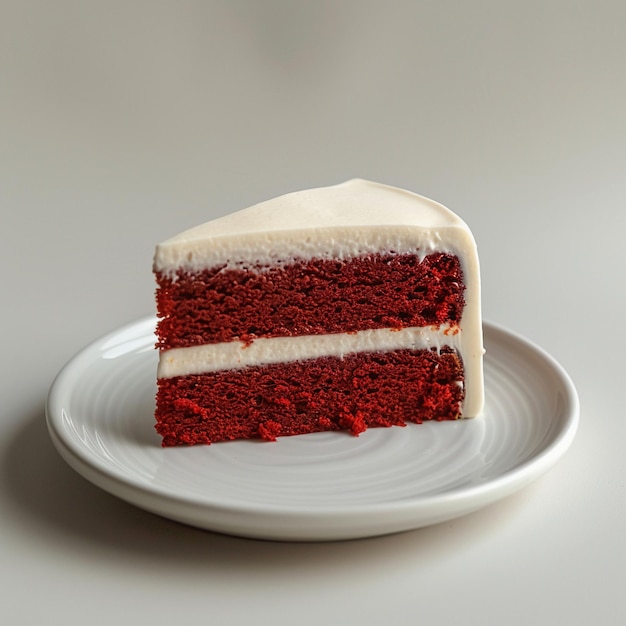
(162, 501)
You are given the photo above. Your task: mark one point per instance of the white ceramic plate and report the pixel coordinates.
(323, 486)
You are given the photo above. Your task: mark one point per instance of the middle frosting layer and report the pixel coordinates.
(238, 354)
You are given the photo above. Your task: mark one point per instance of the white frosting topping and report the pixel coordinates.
(338, 222)
(342, 221)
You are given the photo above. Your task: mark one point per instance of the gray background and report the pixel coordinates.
(122, 123)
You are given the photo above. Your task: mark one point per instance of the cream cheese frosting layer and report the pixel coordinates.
(266, 351)
(342, 221)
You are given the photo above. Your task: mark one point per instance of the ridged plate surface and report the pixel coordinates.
(324, 486)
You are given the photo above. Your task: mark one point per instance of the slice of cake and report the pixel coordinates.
(339, 308)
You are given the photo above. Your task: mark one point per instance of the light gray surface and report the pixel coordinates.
(122, 123)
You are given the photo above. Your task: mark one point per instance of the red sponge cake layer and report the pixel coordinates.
(350, 393)
(309, 298)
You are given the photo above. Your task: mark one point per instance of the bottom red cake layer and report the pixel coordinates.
(350, 393)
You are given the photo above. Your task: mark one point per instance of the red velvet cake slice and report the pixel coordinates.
(339, 308)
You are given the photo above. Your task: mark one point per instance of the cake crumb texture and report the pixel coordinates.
(352, 393)
(308, 298)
